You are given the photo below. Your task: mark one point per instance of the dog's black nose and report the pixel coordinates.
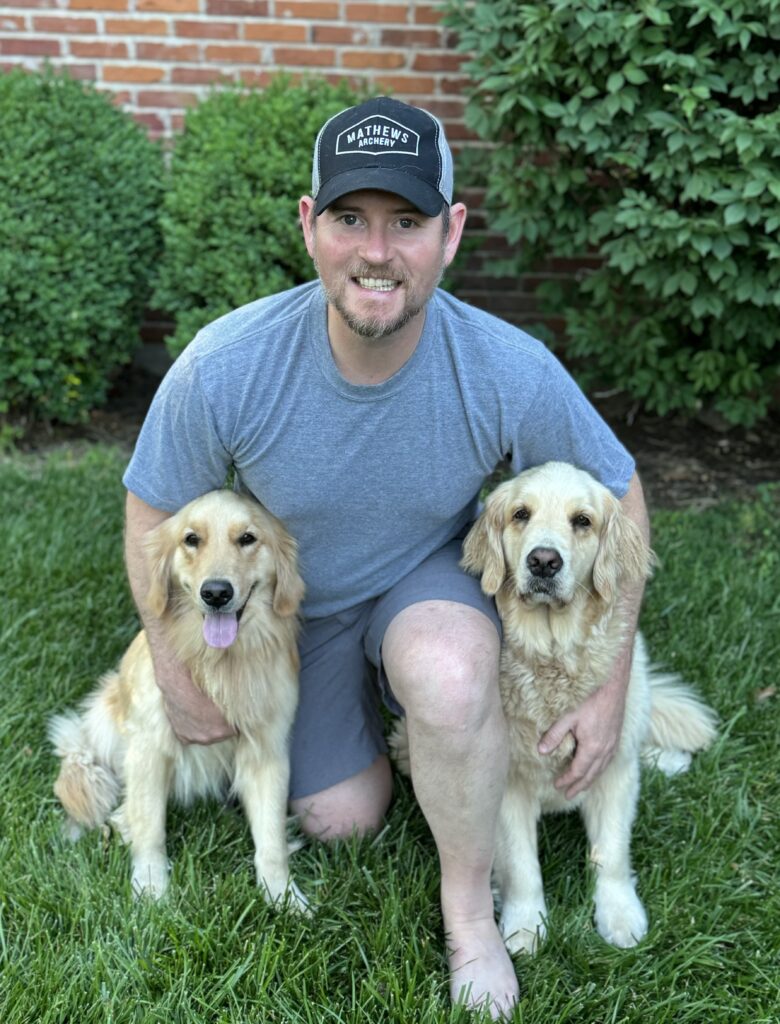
(544, 562)
(216, 593)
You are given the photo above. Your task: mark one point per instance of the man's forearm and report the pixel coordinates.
(633, 504)
(140, 520)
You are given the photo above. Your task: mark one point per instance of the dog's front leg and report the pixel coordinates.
(608, 810)
(517, 872)
(148, 774)
(262, 777)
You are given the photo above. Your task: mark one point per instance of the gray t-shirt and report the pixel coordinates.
(370, 480)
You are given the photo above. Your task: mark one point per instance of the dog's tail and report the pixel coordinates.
(680, 723)
(86, 786)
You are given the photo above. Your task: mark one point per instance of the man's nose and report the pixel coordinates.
(376, 245)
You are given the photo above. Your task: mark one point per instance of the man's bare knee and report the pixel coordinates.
(355, 806)
(441, 660)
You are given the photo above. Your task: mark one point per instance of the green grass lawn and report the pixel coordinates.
(76, 947)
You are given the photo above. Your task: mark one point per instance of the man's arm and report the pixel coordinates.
(193, 717)
(597, 723)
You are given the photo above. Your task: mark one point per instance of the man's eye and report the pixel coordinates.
(406, 223)
(349, 219)
(191, 540)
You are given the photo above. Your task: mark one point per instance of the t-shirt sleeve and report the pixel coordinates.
(180, 452)
(560, 424)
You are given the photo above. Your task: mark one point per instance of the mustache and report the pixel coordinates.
(378, 270)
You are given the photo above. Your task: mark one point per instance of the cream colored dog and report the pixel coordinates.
(556, 550)
(225, 584)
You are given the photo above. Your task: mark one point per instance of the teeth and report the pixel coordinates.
(376, 284)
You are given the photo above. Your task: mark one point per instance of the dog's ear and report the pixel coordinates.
(159, 547)
(483, 549)
(622, 556)
(289, 589)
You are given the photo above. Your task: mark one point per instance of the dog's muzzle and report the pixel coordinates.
(540, 582)
(215, 594)
(544, 563)
(220, 625)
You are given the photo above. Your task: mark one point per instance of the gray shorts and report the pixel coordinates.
(339, 729)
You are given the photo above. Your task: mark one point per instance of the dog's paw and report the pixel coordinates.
(620, 917)
(670, 762)
(150, 877)
(280, 891)
(522, 926)
(295, 900)
(71, 830)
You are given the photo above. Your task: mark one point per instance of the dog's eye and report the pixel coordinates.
(522, 515)
(191, 540)
(581, 521)
(246, 539)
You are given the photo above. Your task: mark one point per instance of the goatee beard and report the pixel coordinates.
(375, 328)
(371, 327)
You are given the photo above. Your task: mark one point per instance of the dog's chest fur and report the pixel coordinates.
(550, 662)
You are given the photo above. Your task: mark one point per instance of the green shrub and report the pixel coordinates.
(79, 202)
(648, 133)
(231, 211)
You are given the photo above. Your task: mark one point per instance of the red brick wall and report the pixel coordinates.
(159, 57)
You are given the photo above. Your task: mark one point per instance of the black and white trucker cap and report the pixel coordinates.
(387, 145)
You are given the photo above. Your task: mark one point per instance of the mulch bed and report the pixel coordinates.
(682, 462)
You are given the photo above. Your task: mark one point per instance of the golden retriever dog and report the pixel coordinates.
(555, 548)
(225, 584)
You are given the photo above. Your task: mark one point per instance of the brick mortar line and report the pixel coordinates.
(241, 23)
(262, 45)
(201, 15)
(173, 39)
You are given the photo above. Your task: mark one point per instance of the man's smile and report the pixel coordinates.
(377, 284)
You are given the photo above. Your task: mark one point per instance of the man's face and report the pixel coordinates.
(379, 258)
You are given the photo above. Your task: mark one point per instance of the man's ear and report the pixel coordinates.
(307, 217)
(455, 232)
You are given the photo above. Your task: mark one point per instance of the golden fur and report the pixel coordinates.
(561, 634)
(121, 745)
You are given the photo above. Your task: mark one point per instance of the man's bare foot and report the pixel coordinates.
(482, 974)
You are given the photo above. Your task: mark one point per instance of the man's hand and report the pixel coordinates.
(596, 726)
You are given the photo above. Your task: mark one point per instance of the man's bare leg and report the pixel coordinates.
(441, 659)
(358, 804)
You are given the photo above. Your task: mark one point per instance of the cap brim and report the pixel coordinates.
(419, 193)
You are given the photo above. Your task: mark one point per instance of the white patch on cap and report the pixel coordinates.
(378, 135)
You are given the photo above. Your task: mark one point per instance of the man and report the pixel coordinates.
(365, 410)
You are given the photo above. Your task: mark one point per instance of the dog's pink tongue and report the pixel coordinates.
(220, 629)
